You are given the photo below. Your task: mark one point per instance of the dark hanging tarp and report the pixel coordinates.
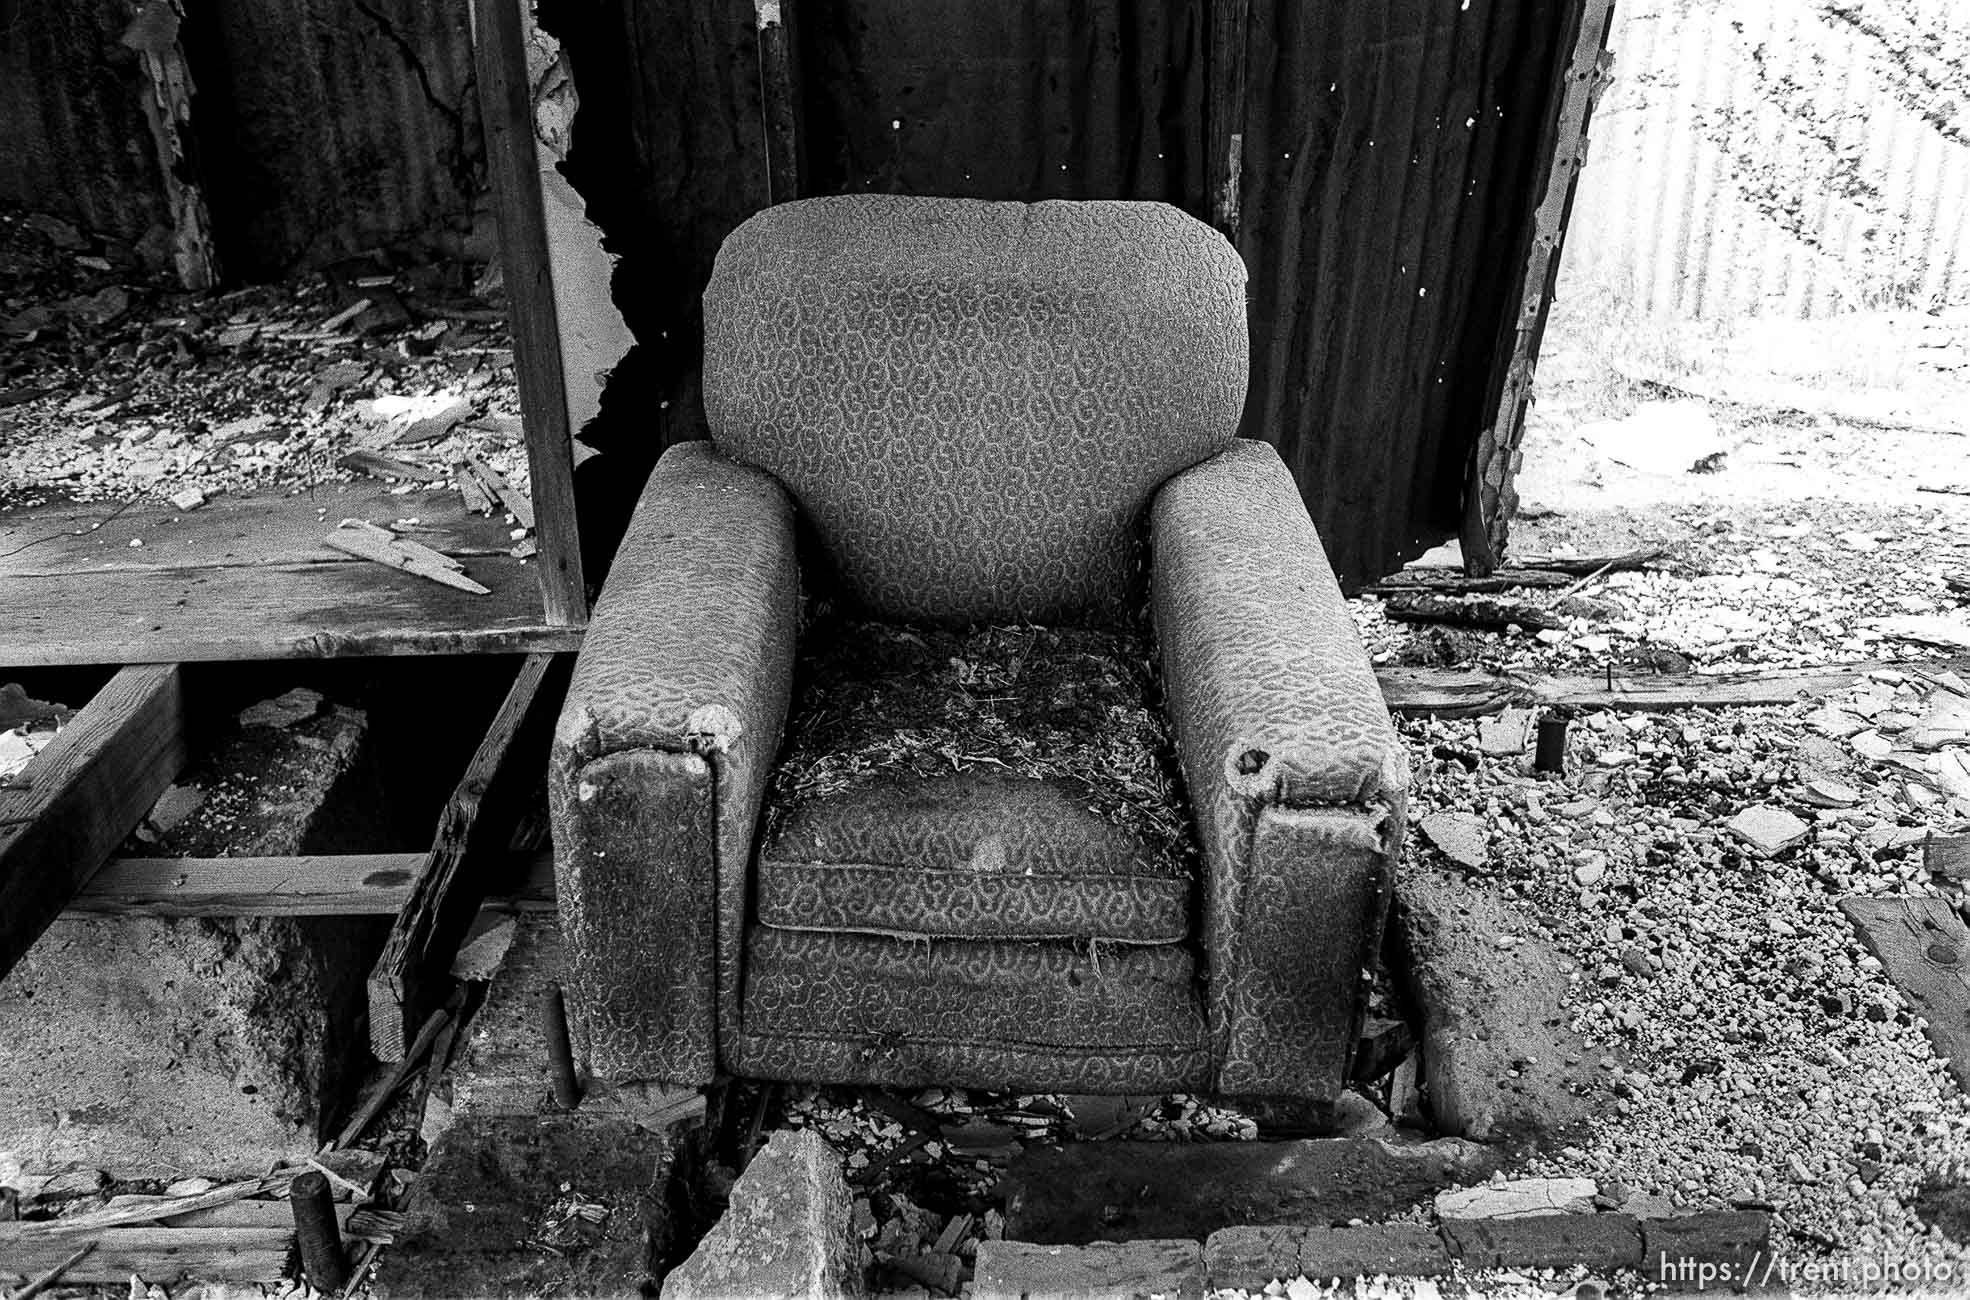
(1387, 163)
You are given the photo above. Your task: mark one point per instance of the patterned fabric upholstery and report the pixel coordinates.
(689, 652)
(973, 402)
(976, 855)
(835, 998)
(1275, 707)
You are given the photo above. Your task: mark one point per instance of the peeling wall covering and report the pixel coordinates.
(1781, 157)
(593, 335)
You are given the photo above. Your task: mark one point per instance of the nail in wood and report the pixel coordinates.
(560, 1053)
(315, 1230)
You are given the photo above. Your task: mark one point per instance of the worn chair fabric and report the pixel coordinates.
(975, 707)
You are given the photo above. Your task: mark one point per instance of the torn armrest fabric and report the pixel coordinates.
(1295, 774)
(660, 761)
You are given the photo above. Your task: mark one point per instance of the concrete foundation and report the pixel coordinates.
(153, 1047)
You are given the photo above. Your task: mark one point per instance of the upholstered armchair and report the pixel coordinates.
(975, 707)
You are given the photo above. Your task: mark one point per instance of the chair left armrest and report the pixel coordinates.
(1296, 777)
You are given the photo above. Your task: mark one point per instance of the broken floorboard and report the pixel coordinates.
(350, 884)
(251, 577)
(409, 979)
(1468, 693)
(1925, 949)
(81, 795)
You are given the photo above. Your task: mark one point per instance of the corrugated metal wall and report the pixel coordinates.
(1789, 157)
(1389, 169)
(323, 127)
(75, 143)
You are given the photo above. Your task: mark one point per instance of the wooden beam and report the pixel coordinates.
(63, 816)
(1925, 949)
(1224, 114)
(1489, 497)
(211, 1254)
(1465, 693)
(779, 98)
(351, 884)
(506, 109)
(410, 978)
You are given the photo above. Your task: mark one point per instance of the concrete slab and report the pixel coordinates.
(157, 1048)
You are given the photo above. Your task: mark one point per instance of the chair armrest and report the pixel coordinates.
(660, 762)
(1295, 774)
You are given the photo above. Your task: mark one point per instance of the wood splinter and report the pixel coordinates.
(367, 541)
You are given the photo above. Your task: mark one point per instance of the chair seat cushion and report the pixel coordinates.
(978, 855)
(1000, 783)
(876, 991)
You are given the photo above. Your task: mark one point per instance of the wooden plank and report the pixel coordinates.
(1925, 948)
(1463, 693)
(233, 1214)
(82, 794)
(409, 980)
(282, 611)
(264, 528)
(1561, 151)
(779, 98)
(353, 884)
(1224, 113)
(506, 110)
(209, 1254)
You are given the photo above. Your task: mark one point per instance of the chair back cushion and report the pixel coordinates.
(972, 402)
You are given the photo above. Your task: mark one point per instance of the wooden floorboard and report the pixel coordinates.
(1458, 692)
(250, 578)
(64, 815)
(353, 884)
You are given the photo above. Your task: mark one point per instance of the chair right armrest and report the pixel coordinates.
(1296, 778)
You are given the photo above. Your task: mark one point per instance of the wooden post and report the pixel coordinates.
(1224, 122)
(407, 983)
(779, 98)
(88, 789)
(506, 109)
(1489, 499)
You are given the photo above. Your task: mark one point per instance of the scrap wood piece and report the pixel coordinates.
(1463, 693)
(343, 317)
(516, 502)
(1925, 949)
(42, 1282)
(475, 829)
(210, 1254)
(408, 545)
(436, 1026)
(1478, 612)
(1446, 579)
(337, 884)
(150, 1211)
(1583, 566)
(1947, 856)
(87, 790)
(386, 467)
(400, 553)
(477, 499)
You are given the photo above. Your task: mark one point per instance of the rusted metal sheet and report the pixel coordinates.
(1780, 157)
(338, 126)
(1391, 158)
(320, 128)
